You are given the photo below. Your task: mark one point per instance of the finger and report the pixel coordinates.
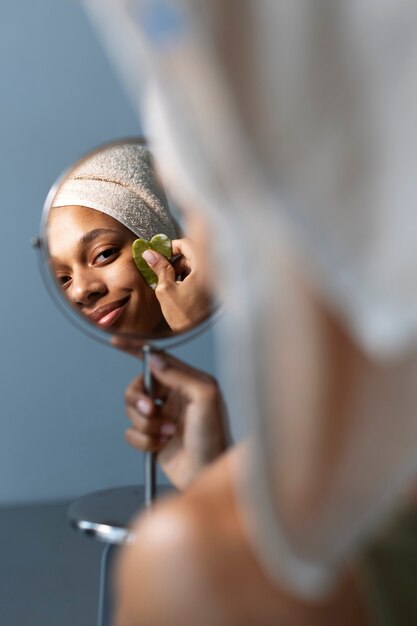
(135, 391)
(148, 416)
(183, 247)
(191, 384)
(182, 267)
(129, 345)
(142, 404)
(173, 408)
(161, 266)
(153, 427)
(136, 396)
(144, 425)
(144, 443)
(164, 382)
(162, 360)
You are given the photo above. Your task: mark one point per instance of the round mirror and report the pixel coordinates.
(115, 251)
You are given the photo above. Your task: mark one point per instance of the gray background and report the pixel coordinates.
(62, 416)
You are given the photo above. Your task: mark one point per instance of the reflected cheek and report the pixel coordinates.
(122, 278)
(144, 311)
(141, 294)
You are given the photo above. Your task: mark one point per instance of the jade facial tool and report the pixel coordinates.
(160, 243)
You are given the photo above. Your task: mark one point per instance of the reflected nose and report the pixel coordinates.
(86, 288)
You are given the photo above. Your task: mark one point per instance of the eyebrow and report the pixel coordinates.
(87, 238)
(97, 232)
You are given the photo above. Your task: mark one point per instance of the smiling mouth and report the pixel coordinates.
(107, 314)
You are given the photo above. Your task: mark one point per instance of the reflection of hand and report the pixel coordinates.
(189, 428)
(184, 302)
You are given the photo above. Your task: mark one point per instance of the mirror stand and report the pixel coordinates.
(93, 215)
(105, 515)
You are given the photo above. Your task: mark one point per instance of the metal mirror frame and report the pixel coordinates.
(73, 316)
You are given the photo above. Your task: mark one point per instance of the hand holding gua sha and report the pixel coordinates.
(159, 243)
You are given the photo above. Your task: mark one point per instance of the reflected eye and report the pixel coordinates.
(63, 280)
(106, 254)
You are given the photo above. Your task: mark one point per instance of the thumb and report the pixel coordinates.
(161, 266)
(176, 376)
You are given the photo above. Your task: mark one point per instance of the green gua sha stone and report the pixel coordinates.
(160, 243)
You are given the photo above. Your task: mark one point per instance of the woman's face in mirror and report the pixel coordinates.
(107, 201)
(91, 258)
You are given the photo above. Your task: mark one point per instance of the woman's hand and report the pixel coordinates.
(187, 301)
(186, 426)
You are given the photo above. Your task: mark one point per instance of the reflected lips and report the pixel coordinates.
(107, 314)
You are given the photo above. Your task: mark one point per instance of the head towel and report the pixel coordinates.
(119, 180)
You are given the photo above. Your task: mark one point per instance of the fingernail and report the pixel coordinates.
(143, 406)
(157, 361)
(149, 257)
(168, 429)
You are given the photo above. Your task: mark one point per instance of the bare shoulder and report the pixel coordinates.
(191, 563)
(164, 576)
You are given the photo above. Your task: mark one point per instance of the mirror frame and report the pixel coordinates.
(73, 316)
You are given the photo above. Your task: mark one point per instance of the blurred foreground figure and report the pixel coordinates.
(290, 125)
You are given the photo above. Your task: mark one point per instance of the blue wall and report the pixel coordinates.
(62, 415)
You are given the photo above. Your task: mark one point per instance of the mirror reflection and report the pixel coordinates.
(116, 251)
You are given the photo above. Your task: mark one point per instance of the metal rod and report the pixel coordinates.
(150, 457)
(104, 615)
